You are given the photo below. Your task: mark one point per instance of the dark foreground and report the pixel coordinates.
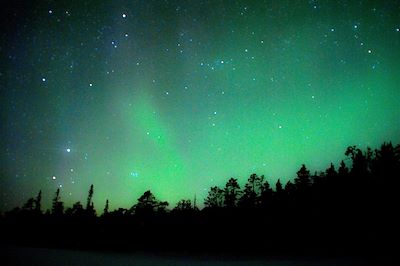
(347, 216)
(14, 255)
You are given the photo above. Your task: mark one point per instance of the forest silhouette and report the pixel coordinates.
(349, 209)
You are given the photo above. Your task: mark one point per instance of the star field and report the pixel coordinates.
(178, 96)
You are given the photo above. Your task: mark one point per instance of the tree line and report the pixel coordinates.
(349, 207)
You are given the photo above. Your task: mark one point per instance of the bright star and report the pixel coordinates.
(134, 174)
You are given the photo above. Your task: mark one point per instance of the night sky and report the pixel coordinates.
(179, 96)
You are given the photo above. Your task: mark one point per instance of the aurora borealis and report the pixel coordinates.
(178, 96)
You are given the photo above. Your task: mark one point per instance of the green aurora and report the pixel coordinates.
(177, 96)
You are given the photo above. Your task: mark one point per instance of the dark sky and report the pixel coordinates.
(179, 96)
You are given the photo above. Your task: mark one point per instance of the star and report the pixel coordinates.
(124, 15)
(68, 150)
(134, 174)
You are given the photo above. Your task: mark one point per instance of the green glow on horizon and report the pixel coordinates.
(182, 99)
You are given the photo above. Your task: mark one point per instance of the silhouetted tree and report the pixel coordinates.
(183, 205)
(343, 170)
(279, 195)
(215, 198)
(147, 201)
(58, 206)
(231, 193)
(90, 210)
(303, 180)
(29, 205)
(386, 162)
(331, 172)
(252, 191)
(195, 203)
(290, 189)
(278, 187)
(89, 198)
(38, 202)
(266, 194)
(162, 206)
(148, 204)
(360, 161)
(106, 208)
(76, 210)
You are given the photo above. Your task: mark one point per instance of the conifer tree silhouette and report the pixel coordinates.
(252, 191)
(343, 170)
(266, 194)
(303, 180)
(183, 205)
(231, 193)
(29, 205)
(58, 205)
(89, 198)
(215, 198)
(90, 210)
(106, 208)
(38, 202)
(278, 187)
